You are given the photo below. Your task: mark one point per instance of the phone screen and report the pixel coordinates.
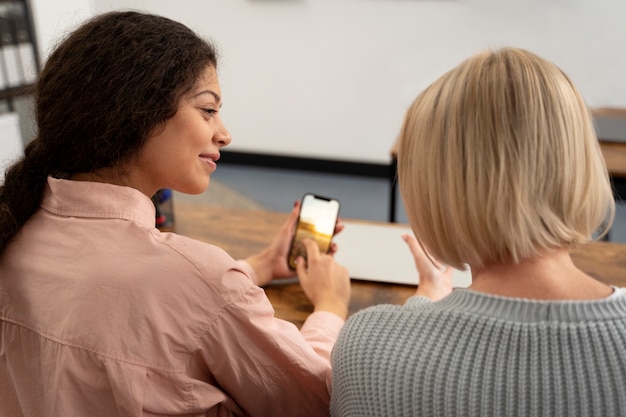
(317, 219)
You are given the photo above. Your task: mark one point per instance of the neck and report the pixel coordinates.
(550, 276)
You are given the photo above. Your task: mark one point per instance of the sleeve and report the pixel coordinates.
(245, 267)
(267, 365)
(321, 330)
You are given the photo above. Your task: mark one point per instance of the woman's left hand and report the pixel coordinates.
(435, 279)
(271, 263)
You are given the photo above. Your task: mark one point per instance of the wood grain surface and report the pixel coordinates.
(244, 232)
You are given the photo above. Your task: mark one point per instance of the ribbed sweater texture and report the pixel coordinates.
(473, 354)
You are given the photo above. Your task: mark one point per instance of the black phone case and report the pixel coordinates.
(294, 249)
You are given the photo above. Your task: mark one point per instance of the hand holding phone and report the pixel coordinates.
(317, 220)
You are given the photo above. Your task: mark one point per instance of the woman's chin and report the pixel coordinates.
(196, 188)
(204, 186)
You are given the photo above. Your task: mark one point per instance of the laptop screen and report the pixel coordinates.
(376, 252)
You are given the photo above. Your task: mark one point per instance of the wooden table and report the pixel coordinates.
(614, 153)
(244, 232)
(615, 158)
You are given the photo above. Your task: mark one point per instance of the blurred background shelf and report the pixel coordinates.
(19, 58)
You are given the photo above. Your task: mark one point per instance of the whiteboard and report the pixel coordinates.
(331, 79)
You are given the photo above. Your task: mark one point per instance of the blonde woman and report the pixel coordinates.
(500, 169)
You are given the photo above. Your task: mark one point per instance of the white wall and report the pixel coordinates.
(332, 78)
(53, 19)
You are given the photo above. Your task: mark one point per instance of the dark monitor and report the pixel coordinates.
(610, 126)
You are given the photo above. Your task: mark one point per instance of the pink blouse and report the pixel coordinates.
(103, 315)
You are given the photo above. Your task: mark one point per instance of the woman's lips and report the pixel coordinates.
(210, 160)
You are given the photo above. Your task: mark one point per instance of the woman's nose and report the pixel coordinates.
(222, 135)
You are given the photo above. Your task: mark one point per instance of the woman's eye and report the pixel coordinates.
(210, 112)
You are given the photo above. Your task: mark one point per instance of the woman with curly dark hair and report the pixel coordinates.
(101, 313)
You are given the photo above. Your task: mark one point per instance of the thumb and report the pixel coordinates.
(301, 268)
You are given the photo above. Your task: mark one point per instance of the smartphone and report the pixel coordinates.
(317, 219)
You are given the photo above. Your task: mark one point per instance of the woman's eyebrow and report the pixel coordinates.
(213, 93)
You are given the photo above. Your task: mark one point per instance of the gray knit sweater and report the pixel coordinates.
(473, 354)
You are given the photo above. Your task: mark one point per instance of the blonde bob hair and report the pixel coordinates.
(498, 161)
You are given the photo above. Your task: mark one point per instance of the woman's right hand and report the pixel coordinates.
(325, 282)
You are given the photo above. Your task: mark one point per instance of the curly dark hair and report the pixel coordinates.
(102, 92)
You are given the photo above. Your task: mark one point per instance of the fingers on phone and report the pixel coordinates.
(333, 248)
(312, 249)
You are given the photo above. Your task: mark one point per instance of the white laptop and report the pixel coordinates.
(376, 252)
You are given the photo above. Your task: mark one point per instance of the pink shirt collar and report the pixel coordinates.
(98, 200)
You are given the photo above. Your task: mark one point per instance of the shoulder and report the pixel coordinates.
(390, 327)
(374, 327)
(199, 269)
(197, 284)
(198, 253)
(390, 313)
